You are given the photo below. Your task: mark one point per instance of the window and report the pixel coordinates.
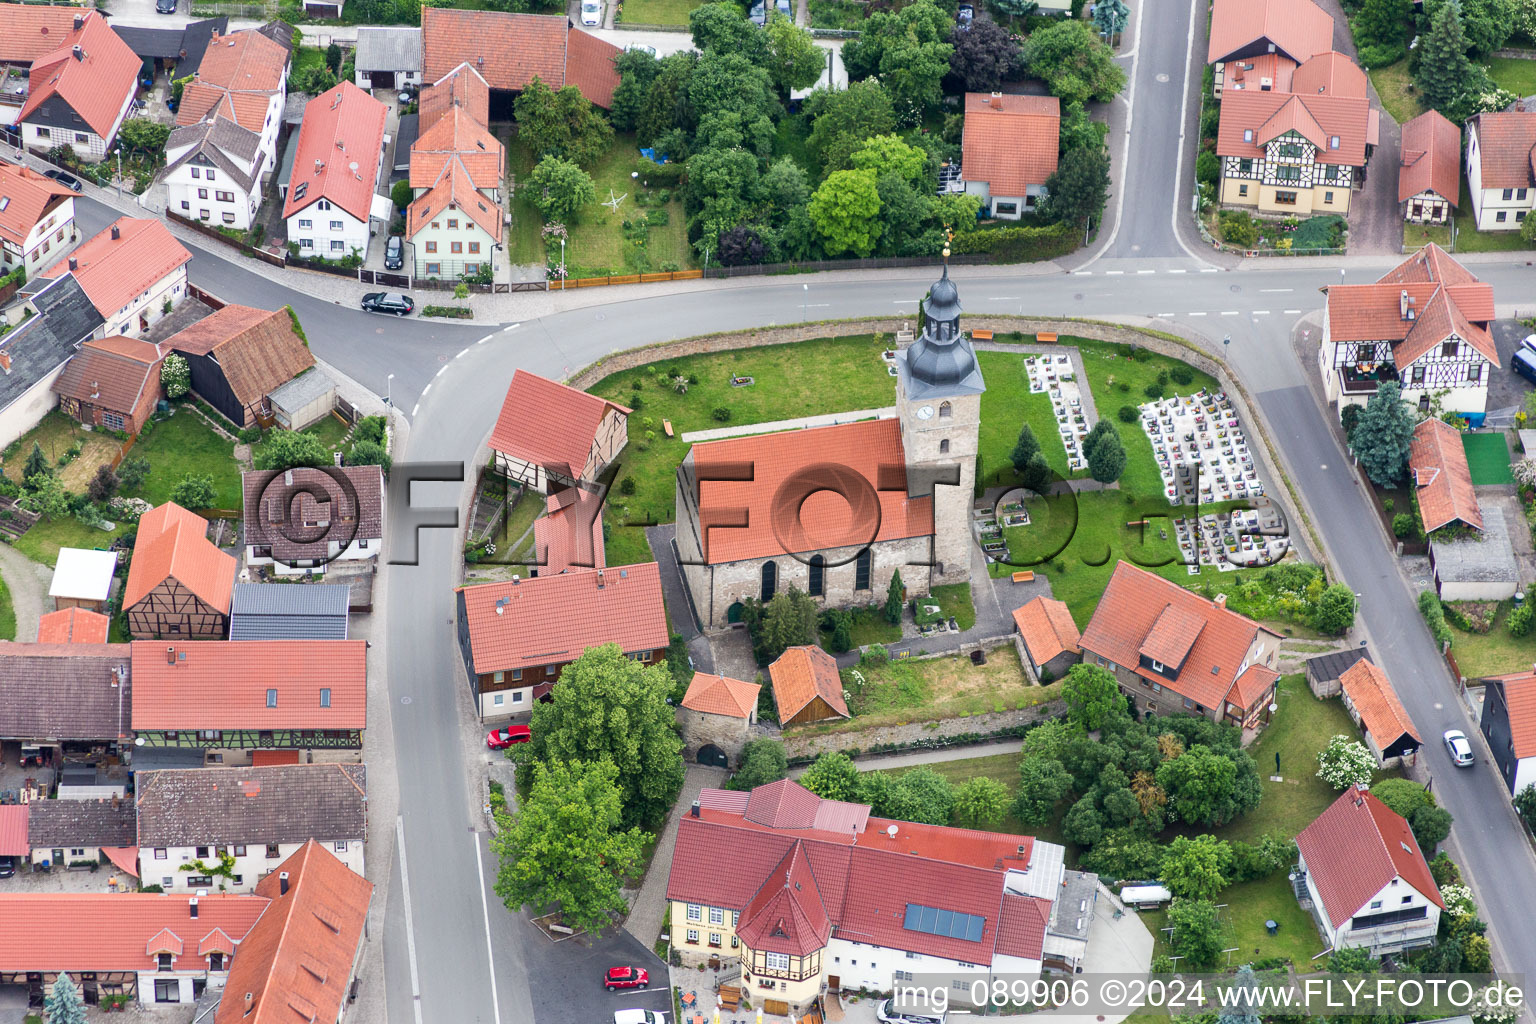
(1188, 703)
(432, 268)
(1327, 197)
(517, 697)
(82, 137)
(186, 205)
(816, 586)
(693, 936)
(202, 193)
(1450, 349)
(777, 961)
(456, 247)
(735, 942)
(1520, 217)
(716, 915)
(224, 197)
(159, 855)
(431, 247)
(1242, 190)
(337, 245)
(1157, 666)
(324, 204)
(325, 696)
(1247, 134)
(517, 675)
(202, 851)
(1289, 149)
(770, 581)
(202, 214)
(1288, 173)
(1501, 216)
(471, 268)
(496, 700)
(1407, 899)
(271, 698)
(861, 570)
(1375, 904)
(167, 990)
(452, 224)
(474, 247)
(735, 916)
(695, 912)
(1509, 194)
(944, 410)
(1334, 142)
(1286, 198)
(199, 882)
(305, 224)
(239, 851)
(272, 852)
(336, 225)
(1418, 375)
(215, 961)
(195, 172)
(1245, 166)
(112, 421)
(714, 939)
(341, 846)
(1002, 209)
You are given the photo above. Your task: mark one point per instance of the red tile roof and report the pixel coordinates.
(721, 695)
(1371, 692)
(173, 544)
(1173, 634)
(1445, 299)
(1506, 142)
(463, 87)
(1520, 703)
(341, 142)
(458, 134)
(296, 961)
(1047, 628)
(116, 271)
(1443, 478)
(32, 30)
(26, 197)
(746, 518)
(571, 535)
(237, 79)
(786, 915)
(1298, 28)
(510, 50)
(73, 626)
(1316, 118)
(1329, 73)
(1431, 155)
(97, 84)
(1010, 142)
(549, 424)
(1250, 72)
(113, 932)
(1256, 683)
(1136, 603)
(1355, 848)
(13, 831)
(453, 190)
(1021, 925)
(257, 350)
(553, 619)
(111, 373)
(800, 675)
(227, 684)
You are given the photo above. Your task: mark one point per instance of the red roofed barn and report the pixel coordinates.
(112, 383)
(1373, 703)
(1050, 636)
(510, 50)
(549, 436)
(1438, 461)
(1008, 150)
(807, 686)
(80, 90)
(179, 583)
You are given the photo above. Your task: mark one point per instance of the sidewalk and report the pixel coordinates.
(804, 422)
(648, 910)
(890, 761)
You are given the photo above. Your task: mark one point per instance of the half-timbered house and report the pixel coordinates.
(179, 583)
(549, 436)
(1423, 324)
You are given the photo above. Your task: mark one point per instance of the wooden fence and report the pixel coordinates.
(595, 282)
(206, 297)
(871, 263)
(211, 232)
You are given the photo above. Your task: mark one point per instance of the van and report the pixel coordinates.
(639, 1017)
(886, 1013)
(1523, 362)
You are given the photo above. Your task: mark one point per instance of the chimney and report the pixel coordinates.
(74, 264)
(694, 810)
(1221, 601)
(170, 655)
(78, 52)
(95, 389)
(997, 101)
(249, 999)
(282, 883)
(599, 579)
(337, 458)
(5, 361)
(79, 23)
(117, 232)
(288, 477)
(1402, 305)
(192, 906)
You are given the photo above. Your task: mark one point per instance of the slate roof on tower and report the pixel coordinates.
(941, 362)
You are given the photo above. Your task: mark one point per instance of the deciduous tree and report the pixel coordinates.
(561, 122)
(559, 188)
(1196, 934)
(1335, 611)
(141, 135)
(285, 449)
(1079, 186)
(843, 212)
(194, 492)
(131, 473)
(794, 59)
(175, 376)
(882, 154)
(984, 55)
(842, 120)
(723, 28)
(980, 803)
(1345, 762)
(1074, 64)
(1092, 696)
(1197, 868)
(907, 49)
(1207, 787)
(103, 485)
(762, 762)
(833, 776)
(788, 620)
(1043, 782)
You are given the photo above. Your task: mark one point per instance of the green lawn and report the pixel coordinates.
(42, 542)
(7, 613)
(328, 432)
(1516, 74)
(626, 545)
(1495, 652)
(1469, 239)
(508, 535)
(870, 627)
(524, 244)
(1488, 458)
(955, 602)
(1245, 908)
(1395, 87)
(55, 434)
(1004, 768)
(185, 444)
(656, 12)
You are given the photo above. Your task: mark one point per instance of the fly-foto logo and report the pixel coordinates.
(309, 514)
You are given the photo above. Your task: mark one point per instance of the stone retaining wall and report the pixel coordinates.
(808, 746)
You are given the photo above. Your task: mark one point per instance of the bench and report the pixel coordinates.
(981, 335)
(1046, 337)
(730, 996)
(667, 426)
(1024, 576)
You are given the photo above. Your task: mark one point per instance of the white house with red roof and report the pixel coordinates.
(130, 272)
(1501, 167)
(1363, 877)
(549, 436)
(81, 90)
(1008, 150)
(332, 194)
(822, 896)
(37, 219)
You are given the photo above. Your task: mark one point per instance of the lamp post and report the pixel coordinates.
(389, 391)
(1226, 346)
(119, 172)
(805, 297)
(563, 274)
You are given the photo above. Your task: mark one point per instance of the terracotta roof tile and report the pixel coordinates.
(32, 30)
(871, 449)
(1444, 480)
(1329, 73)
(453, 190)
(1445, 298)
(1371, 692)
(458, 134)
(510, 50)
(1506, 148)
(1173, 634)
(287, 513)
(1010, 142)
(800, 675)
(26, 198)
(115, 271)
(1316, 118)
(13, 830)
(783, 804)
(589, 66)
(786, 915)
(1355, 848)
(1250, 73)
(1520, 702)
(1135, 601)
(1021, 925)
(461, 87)
(721, 695)
(70, 691)
(1298, 28)
(549, 424)
(251, 805)
(113, 931)
(553, 619)
(1431, 158)
(257, 349)
(570, 536)
(1047, 628)
(1253, 685)
(173, 543)
(228, 684)
(73, 626)
(244, 62)
(96, 85)
(111, 376)
(340, 145)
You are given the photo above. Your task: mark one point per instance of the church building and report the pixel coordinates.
(836, 511)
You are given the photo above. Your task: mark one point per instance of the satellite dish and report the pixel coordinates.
(352, 167)
(139, 742)
(890, 830)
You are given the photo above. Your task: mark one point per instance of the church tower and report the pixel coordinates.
(938, 400)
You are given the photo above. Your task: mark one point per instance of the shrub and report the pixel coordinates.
(1153, 390)
(1238, 228)
(1519, 621)
(1128, 414)
(1375, 56)
(1207, 167)
(721, 415)
(1019, 245)
(1434, 615)
(1182, 375)
(1402, 526)
(1345, 763)
(627, 485)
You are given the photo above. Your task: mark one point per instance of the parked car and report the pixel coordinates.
(1529, 341)
(887, 1014)
(626, 977)
(759, 13)
(786, 8)
(394, 253)
(1458, 747)
(1524, 363)
(591, 12)
(639, 1017)
(640, 48)
(165, 6)
(7, 867)
(389, 302)
(965, 15)
(506, 736)
(64, 178)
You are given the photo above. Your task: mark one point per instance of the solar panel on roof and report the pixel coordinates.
(949, 923)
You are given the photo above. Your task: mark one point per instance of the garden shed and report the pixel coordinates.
(1477, 568)
(305, 400)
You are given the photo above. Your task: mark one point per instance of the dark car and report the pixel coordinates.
(1524, 363)
(759, 14)
(965, 15)
(7, 867)
(394, 253)
(626, 977)
(786, 8)
(64, 178)
(501, 739)
(165, 6)
(389, 302)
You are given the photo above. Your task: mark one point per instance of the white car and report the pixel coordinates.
(1457, 746)
(591, 12)
(639, 1017)
(888, 1014)
(643, 48)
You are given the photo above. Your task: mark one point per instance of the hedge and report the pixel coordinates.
(1021, 244)
(1434, 614)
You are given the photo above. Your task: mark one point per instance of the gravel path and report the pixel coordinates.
(29, 589)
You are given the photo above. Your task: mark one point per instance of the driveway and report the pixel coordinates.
(1506, 389)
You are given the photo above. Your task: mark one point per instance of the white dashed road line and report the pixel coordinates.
(1292, 311)
(415, 409)
(410, 932)
(1231, 312)
(1277, 289)
(1261, 312)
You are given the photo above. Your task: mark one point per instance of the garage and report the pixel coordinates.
(322, 11)
(713, 756)
(381, 79)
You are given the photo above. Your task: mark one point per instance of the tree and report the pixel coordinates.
(984, 55)
(313, 81)
(1525, 800)
(1382, 437)
(64, 1005)
(1384, 23)
(131, 473)
(1444, 70)
(842, 120)
(559, 188)
(789, 620)
(141, 135)
(895, 597)
(762, 762)
(333, 57)
(1198, 868)
(1402, 796)
(103, 485)
(1110, 17)
(1025, 449)
(1240, 1009)
(637, 69)
(194, 492)
(1207, 787)
(1043, 782)
(883, 154)
(1074, 63)
(401, 194)
(1079, 131)
(368, 453)
(1079, 187)
(286, 449)
(1092, 696)
(1345, 762)
(1431, 826)
(1196, 934)
(567, 847)
(723, 27)
(740, 245)
(46, 496)
(175, 376)
(794, 59)
(918, 794)
(36, 464)
(608, 707)
(1106, 459)
(832, 776)
(561, 123)
(720, 181)
(980, 803)
(843, 212)
(1335, 611)
(907, 49)
(1083, 823)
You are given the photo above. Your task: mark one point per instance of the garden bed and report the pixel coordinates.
(1241, 229)
(449, 312)
(58, 435)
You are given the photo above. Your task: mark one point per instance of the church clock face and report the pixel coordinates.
(925, 413)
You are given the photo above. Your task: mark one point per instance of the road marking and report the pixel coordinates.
(464, 352)
(1178, 271)
(1082, 273)
(1210, 270)
(1225, 312)
(1002, 298)
(414, 409)
(1113, 273)
(1292, 311)
(440, 371)
(1178, 167)
(1140, 272)
(510, 329)
(1277, 289)
(410, 934)
(490, 950)
(1261, 312)
(487, 338)
(1167, 314)
(903, 302)
(816, 305)
(1197, 314)
(424, 391)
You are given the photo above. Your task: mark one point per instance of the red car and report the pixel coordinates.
(626, 977)
(501, 739)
